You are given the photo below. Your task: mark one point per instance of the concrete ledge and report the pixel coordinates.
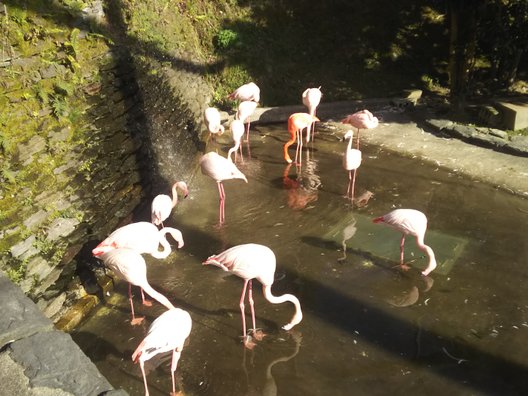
(514, 113)
(36, 359)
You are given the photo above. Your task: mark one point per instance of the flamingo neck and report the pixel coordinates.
(164, 253)
(297, 317)
(430, 253)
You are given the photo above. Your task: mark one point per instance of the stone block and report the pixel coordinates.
(514, 113)
(53, 360)
(20, 317)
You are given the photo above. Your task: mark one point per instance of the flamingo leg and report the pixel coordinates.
(403, 266)
(175, 358)
(134, 321)
(247, 131)
(142, 365)
(357, 140)
(242, 308)
(221, 192)
(353, 185)
(144, 300)
(252, 304)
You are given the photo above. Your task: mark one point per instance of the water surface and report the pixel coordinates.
(368, 327)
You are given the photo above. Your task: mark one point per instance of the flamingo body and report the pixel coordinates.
(351, 162)
(167, 333)
(130, 266)
(249, 91)
(213, 121)
(410, 222)
(162, 204)
(143, 237)
(296, 123)
(237, 131)
(253, 261)
(219, 169)
(363, 119)
(311, 98)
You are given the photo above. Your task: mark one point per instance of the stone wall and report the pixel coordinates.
(141, 132)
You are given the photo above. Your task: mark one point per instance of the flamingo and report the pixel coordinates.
(251, 261)
(220, 169)
(130, 266)
(249, 91)
(162, 204)
(143, 237)
(413, 222)
(296, 123)
(311, 99)
(237, 130)
(245, 109)
(168, 332)
(213, 122)
(351, 161)
(361, 120)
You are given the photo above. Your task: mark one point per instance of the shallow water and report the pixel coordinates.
(368, 327)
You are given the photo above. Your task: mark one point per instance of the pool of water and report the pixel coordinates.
(368, 327)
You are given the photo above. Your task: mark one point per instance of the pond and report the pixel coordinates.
(368, 327)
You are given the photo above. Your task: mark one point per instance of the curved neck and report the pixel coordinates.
(164, 253)
(349, 145)
(430, 253)
(157, 296)
(297, 317)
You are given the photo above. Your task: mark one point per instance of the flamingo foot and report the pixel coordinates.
(147, 303)
(248, 342)
(258, 334)
(179, 393)
(405, 267)
(137, 321)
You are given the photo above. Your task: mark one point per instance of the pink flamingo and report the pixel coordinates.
(413, 222)
(220, 169)
(167, 333)
(245, 109)
(296, 123)
(130, 266)
(143, 237)
(213, 122)
(251, 261)
(351, 161)
(311, 99)
(162, 204)
(237, 130)
(361, 120)
(249, 91)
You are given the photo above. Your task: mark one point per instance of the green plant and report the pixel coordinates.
(226, 38)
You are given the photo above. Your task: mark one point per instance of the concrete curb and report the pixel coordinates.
(36, 359)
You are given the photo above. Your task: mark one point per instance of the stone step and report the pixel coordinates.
(514, 113)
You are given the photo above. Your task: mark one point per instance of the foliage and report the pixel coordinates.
(226, 38)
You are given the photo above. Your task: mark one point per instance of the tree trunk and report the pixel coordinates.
(462, 44)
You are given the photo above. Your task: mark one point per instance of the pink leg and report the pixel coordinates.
(357, 140)
(144, 300)
(175, 358)
(142, 365)
(252, 304)
(221, 192)
(353, 185)
(402, 243)
(134, 321)
(242, 308)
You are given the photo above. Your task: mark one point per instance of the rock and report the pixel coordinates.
(61, 228)
(24, 248)
(53, 360)
(24, 317)
(514, 113)
(35, 220)
(34, 146)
